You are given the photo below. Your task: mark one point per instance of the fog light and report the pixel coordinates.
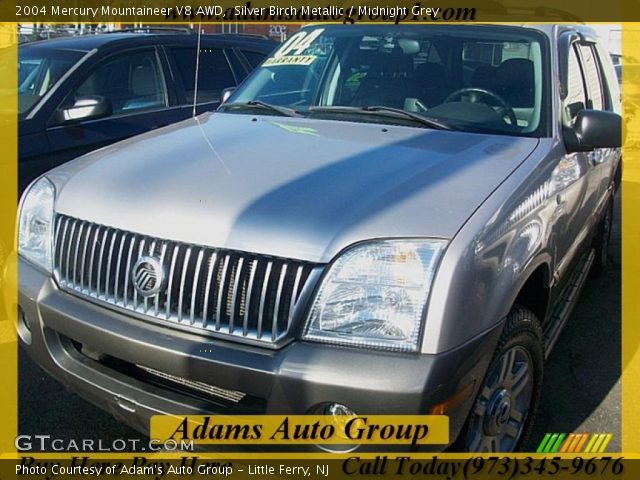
(24, 329)
(334, 409)
(337, 415)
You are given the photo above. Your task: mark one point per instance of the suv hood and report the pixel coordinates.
(289, 187)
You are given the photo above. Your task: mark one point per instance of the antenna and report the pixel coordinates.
(195, 81)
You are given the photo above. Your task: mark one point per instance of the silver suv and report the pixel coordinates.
(381, 219)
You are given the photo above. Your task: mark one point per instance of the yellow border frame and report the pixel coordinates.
(8, 273)
(630, 418)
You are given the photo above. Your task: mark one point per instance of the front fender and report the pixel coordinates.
(493, 256)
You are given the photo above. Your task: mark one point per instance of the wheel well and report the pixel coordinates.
(534, 294)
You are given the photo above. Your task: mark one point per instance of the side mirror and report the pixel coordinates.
(86, 108)
(226, 93)
(594, 129)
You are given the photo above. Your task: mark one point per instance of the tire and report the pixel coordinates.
(602, 240)
(504, 411)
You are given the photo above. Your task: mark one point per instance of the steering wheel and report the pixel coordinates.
(475, 93)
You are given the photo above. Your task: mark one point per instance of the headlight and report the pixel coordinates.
(36, 223)
(375, 294)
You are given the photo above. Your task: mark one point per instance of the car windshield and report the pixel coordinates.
(38, 71)
(482, 79)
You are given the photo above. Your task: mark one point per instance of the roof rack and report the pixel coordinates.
(155, 29)
(247, 35)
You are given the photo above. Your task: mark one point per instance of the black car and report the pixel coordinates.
(82, 93)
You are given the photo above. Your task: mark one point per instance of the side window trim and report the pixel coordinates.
(566, 41)
(171, 84)
(55, 89)
(604, 85)
(237, 76)
(573, 50)
(243, 59)
(587, 88)
(181, 82)
(176, 75)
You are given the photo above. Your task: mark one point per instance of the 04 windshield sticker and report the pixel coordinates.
(292, 51)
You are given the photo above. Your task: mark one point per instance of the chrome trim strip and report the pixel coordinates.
(127, 272)
(223, 280)
(194, 290)
(118, 266)
(212, 263)
(240, 295)
(234, 295)
(84, 255)
(68, 247)
(263, 297)
(276, 308)
(294, 296)
(247, 307)
(172, 269)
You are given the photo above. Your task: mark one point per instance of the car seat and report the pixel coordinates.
(143, 85)
(432, 80)
(389, 81)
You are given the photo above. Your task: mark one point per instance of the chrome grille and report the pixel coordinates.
(210, 290)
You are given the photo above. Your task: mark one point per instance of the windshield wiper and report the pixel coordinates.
(285, 112)
(428, 121)
(384, 111)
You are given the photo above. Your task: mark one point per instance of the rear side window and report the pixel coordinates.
(214, 73)
(131, 82)
(254, 58)
(592, 78)
(576, 100)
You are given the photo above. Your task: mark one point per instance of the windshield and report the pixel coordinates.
(481, 79)
(38, 71)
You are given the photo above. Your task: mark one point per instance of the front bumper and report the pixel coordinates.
(291, 380)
